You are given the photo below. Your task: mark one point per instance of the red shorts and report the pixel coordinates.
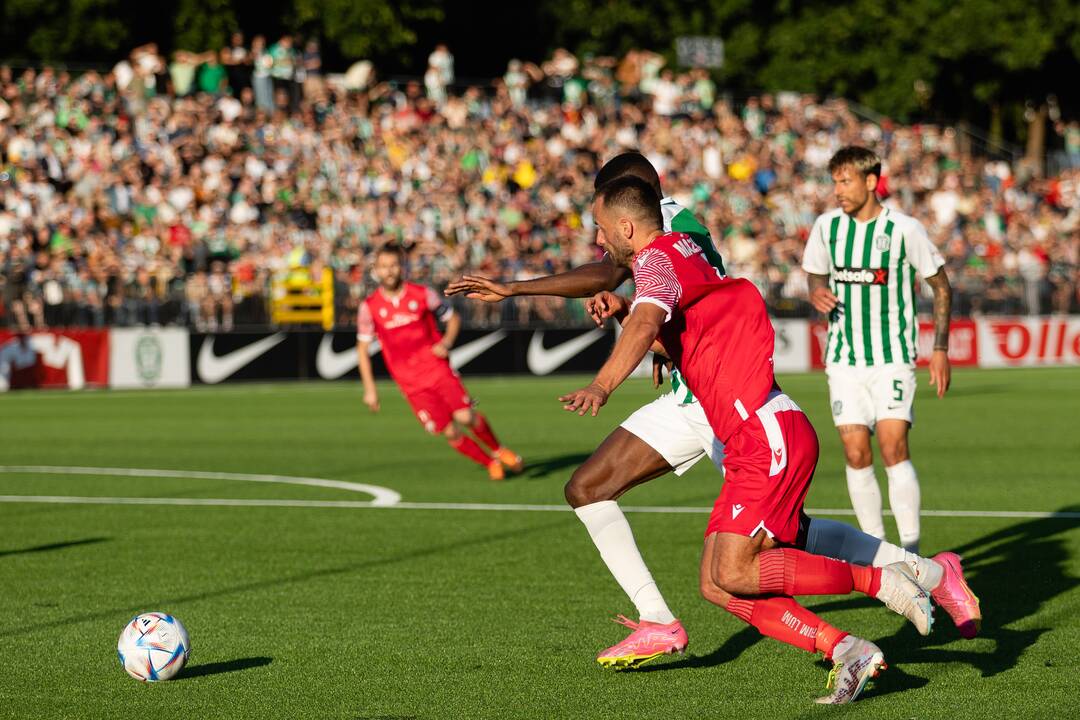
(435, 405)
(769, 464)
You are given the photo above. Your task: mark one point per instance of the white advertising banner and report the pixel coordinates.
(792, 353)
(149, 358)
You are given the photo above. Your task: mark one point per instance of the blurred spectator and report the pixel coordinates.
(237, 62)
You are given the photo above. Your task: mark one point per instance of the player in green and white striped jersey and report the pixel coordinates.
(861, 260)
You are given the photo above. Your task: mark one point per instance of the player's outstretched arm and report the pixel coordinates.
(940, 370)
(367, 377)
(638, 334)
(582, 281)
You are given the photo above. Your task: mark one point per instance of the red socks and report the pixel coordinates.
(794, 572)
(783, 619)
(468, 447)
(483, 431)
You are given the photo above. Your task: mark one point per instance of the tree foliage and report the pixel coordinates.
(362, 28)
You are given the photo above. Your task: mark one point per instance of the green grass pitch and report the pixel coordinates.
(337, 612)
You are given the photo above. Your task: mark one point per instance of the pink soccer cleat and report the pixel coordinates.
(954, 595)
(649, 641)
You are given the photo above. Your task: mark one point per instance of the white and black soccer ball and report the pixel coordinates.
(153, 646)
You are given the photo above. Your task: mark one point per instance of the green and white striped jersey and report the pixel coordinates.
(679, 219)
(871, 268)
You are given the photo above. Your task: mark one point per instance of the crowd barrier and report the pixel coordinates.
(175, 357)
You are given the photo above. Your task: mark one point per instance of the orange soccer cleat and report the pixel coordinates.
(496, 471)
(510, 459)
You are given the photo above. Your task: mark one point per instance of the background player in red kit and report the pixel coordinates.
(402, 315)
(718, 333)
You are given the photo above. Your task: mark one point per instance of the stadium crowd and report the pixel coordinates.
(172, 191)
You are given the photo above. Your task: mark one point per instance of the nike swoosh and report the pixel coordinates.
(331, 364)
(463, 355)
(215, 368)
(544, 361)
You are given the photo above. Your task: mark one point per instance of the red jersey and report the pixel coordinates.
(406, 328)
(717, 329)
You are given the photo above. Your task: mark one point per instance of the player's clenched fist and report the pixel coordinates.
(823, 300)
(371, 399)
(606, 304)
(587, 400)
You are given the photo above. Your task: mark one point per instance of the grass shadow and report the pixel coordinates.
(535, 469)
(1015, 571)
(227, 666)
(53, 546)
(732, 648)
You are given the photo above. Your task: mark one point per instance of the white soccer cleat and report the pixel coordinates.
(855, 661)
(902, 594)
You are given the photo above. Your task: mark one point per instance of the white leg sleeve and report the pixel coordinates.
(904, 502)
(611, 534)
(866, 499)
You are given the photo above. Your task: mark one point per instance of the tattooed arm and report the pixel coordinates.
(821, 297)
(940, 371)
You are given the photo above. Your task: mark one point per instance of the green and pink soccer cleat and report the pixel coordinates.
(955, 597)
(648, 641)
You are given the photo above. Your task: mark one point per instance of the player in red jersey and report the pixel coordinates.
(402, 315)
(718, 333)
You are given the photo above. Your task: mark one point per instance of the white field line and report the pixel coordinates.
(497, 507)
(382, 496)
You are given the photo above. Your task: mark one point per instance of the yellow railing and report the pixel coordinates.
(299, 299)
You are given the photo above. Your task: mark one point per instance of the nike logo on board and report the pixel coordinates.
(544, 361)
(215, 368)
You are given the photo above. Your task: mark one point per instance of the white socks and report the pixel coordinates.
(866, 499)
(843, 542)
(611, 534)
(904, 502)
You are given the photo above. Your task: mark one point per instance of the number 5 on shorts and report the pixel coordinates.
(898, 388)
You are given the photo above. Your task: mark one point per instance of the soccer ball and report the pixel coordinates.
(153, 646)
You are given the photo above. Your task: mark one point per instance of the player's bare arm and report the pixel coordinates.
(580, 282)
(639, 333)
(821, 297)
(367, 377)
(940, 370)
(453, 327)
(607, 304)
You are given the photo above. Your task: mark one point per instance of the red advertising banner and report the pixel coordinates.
(963, 343)
(71, 359)
(1006, 342)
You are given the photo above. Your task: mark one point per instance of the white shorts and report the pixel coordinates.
(864, 395)
(680, 433)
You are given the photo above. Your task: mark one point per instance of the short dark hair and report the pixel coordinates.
(631, 193)
(631, 163)
(392, 249)
(861, 160)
